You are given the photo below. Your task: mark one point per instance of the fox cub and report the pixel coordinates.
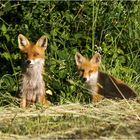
(32, 84)
(101, 85)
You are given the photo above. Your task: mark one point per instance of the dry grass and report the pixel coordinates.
(105, 120)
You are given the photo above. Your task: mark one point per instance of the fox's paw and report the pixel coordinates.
(96, 98)
(47, 103)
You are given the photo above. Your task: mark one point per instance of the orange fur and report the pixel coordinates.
(101, 85)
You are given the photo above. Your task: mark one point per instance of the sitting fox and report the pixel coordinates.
(32, 84)
(101, 85)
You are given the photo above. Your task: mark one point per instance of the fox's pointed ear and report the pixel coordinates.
(42, 42)
(22, 41)
(96, 59)
(79, 58)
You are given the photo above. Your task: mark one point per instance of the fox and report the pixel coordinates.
(32, 85)
(101, 85)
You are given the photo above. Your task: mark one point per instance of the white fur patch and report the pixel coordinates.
(37, 61)
(93, 77)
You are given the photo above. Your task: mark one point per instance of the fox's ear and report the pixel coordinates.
(42, 42)
(22, 41)
(96, 59)
(79, 58)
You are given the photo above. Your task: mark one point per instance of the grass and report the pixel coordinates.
(107, 119)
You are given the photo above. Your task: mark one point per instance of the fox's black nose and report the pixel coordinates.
(28, 62)
(84, 78)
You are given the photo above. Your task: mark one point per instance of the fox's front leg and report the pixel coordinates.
(42, 100)
(23, 102)
(96, 97)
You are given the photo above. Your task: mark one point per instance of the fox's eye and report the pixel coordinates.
(24, 55)
(36, 54)
(91, 71)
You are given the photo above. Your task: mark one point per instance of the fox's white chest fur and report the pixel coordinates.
(92, 82)
(32, 81)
